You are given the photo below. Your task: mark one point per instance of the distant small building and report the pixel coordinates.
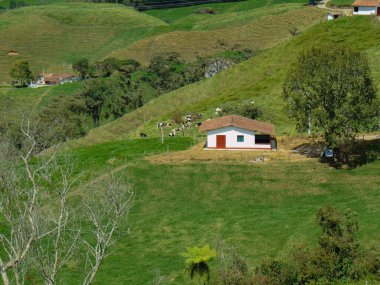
(333, 16)
(238, 133)
(54, 79)
(57, 78)
(366, 7)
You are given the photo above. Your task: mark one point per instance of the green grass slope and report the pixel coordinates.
(260, 78)
(262, 209)
(51, 37)
(21, 103)
(200, 36)
(178, 15)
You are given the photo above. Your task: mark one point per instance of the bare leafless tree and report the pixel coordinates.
(105, 210)
(40, 224)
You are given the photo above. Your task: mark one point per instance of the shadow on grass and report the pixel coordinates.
(349, 156)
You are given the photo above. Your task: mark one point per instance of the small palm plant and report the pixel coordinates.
(196, 259)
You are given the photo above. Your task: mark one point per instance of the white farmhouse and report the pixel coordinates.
(366, 7)
(236, 132)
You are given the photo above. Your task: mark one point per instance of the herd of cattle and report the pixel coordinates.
(187, 123)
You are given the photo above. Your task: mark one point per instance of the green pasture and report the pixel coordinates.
(261, 209)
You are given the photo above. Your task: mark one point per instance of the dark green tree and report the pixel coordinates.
(22, 73)
(82, 66)
(94, 95)
(165, 71)
(12, 4)
(60, 120)
(333, 88)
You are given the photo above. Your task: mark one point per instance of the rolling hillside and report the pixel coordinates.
(257, 29)
(51, 37)
(260, 78)
(262, 209)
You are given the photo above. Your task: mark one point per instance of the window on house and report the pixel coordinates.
(356, 9)
(262, 139)
(240, 138)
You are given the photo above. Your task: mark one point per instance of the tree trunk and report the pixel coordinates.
(4, 276)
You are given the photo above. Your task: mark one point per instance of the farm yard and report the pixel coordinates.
(262, 203)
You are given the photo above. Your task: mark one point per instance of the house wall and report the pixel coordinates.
(231, 134)
(366, 11)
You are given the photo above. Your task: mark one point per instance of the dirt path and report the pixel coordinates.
(79, 190)
(42, 97)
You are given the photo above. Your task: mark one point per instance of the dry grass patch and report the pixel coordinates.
(199, 154)
(265, 33)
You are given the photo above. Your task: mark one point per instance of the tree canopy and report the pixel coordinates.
(332, 87)
(21, 72)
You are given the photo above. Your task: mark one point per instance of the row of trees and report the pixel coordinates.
(338, 258)
(111, 88)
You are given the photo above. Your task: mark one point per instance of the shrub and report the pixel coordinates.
(205, 10)
(196, 259)
(248, 109)
(278, 272)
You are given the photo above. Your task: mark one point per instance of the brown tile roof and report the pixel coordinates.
(56, 77)
(366, 3)
(237, 121)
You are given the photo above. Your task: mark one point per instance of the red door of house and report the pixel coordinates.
(220, 141)
(378, 11)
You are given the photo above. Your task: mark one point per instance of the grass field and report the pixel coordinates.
(53, 36)
(261, 78)
(183, 14)
(340, 3)
(19, 103)
(4, 4)
(257, 29)
(262, 209)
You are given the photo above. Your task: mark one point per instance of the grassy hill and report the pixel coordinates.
(260, 78)
(51, 37)
(257, 29)
(262, 209)
(19, 103)
(4, 4)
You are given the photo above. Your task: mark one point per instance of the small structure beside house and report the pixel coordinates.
(54, 79)
(366, 7)
(333, 16)
(238, 133)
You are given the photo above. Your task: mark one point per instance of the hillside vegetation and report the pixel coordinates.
(53, 36)
(256, 29)
(260, 78)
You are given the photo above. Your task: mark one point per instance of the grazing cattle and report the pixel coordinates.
(197, 116)
(198, 124)
(161, 125)
(172, 134)
(177, 130)
(143, 135)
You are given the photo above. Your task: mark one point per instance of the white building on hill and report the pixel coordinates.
(366, 7)
(238, 133)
